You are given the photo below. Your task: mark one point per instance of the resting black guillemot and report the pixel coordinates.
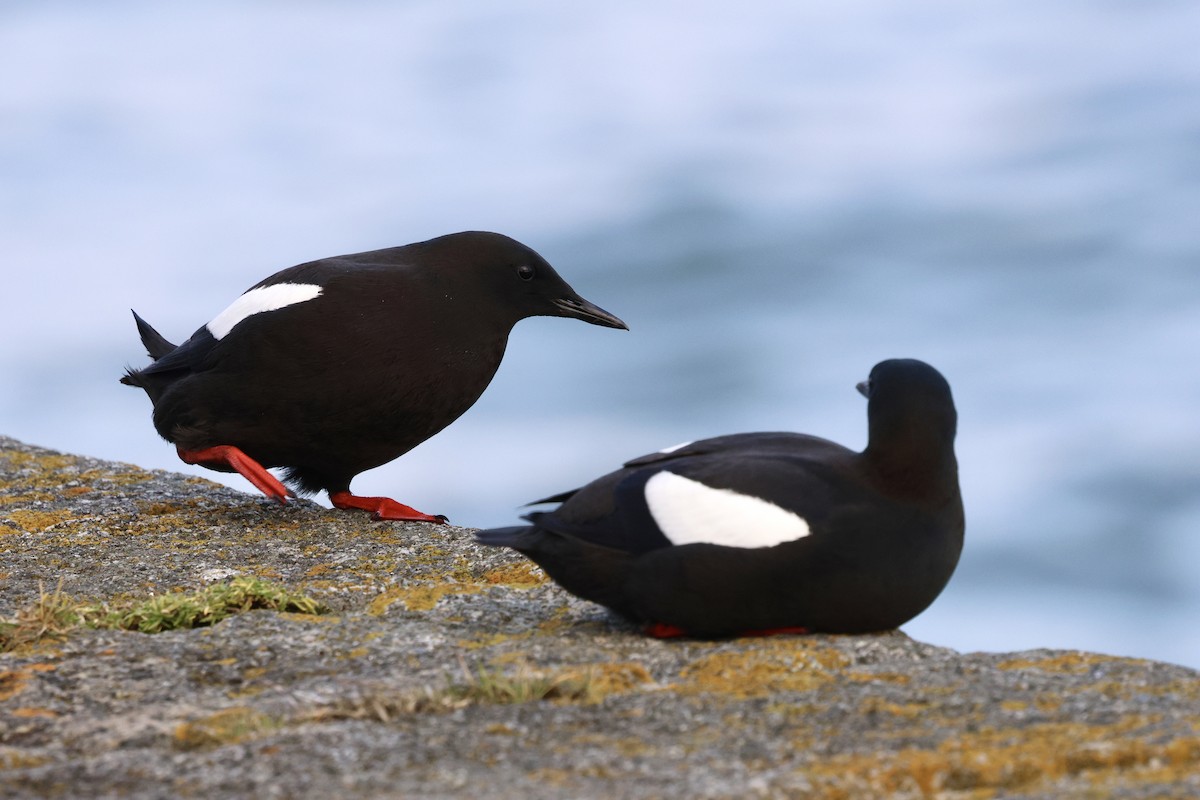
(336, 366)
(766, 532)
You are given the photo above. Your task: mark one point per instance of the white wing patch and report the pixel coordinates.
(674, 447)
(256, 301)
(687, 512)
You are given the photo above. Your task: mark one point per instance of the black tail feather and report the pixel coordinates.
(561, 497)
(156, 346)
(515, 537)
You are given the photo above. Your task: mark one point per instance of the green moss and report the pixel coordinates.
(206, 607)
(54, 613)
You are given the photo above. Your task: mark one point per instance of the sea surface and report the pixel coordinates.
(774, 197)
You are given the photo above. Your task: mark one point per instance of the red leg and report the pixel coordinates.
(661, 630)
(796, 629)
(249, 469)
(382, 508)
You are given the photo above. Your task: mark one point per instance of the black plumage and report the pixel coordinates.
(850, 542)
(335, 366)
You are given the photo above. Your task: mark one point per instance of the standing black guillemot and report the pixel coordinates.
(336, 366)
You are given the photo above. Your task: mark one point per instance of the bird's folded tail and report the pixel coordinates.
(156, 347)
(515, 537)
(586, 570)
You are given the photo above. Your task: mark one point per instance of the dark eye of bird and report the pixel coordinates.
(525, 272)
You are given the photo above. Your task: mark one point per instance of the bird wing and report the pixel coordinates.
(749, 490)
(738, 442)
(202, 350)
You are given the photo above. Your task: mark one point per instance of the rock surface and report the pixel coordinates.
(394, 692)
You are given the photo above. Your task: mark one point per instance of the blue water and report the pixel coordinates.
(774, 198)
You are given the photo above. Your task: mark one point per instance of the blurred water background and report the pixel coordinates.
(774, 197)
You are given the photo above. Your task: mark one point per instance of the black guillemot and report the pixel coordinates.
(335, 366)
(767, 532)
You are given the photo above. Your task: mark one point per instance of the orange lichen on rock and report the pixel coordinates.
(33, 521)
(781, 664)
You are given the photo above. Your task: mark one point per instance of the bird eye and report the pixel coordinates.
(525, 272)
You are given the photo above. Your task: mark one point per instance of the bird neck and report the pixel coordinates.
(914, 463)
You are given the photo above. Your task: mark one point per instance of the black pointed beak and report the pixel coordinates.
(864, 388)
(579, 308)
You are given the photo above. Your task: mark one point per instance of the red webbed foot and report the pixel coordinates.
(661, 630)
(247, 467)
(383, 508)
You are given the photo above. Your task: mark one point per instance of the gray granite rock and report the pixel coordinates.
(383, 696)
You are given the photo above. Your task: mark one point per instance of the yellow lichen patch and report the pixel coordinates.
(557, 621)
(886, 677)
(45, 462)
(12, 758)
(156, 509)
(13, 682)
(628, 746)
(384, 601)
(31, 713)
(25, 499)
(990, 760)
(623, 676)
(421, 597)
(197, 481)
(490, 639)
(511, 657)
(311, 619)
(37, 521)
(1047, 702)
(791, 664)
(521, 575)
(224, 727)
(121, 478)
(1074, 663)
(874, 705)
(1182, 752)
(551, 776)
